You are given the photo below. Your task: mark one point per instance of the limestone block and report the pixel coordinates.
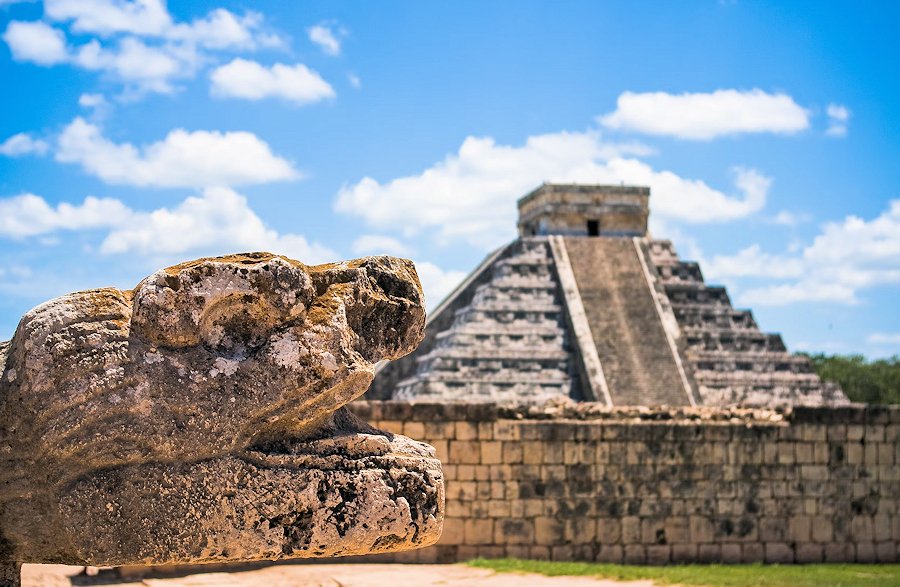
(677, 530)
(779, 552)
(799, 528)
(548, 531)
(533, 452)
(684, 553)
(454, 529)
(635, 554)
(457, 509)
(498, 508)
(464, 472)
(810, 553)
(553, 453)
(659, 554)
(709, 553)
(631, 530)
(491, 452)
(822, 530)
(870, 454)
(507, 430)
(772, 529)
(501, 472)
(752, 553)
(466, 431)
(731, 554)
(882, 527)
(862, 529)
(803, 452)
(702, 530)
(414, 429)
(886, 552)
(609, 530)
(514, 531)
(612, 553)
(199, 418)
(479, 531)
(441, 450)
(865, 552)
(464, 452)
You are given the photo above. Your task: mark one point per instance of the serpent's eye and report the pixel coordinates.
(237, 325)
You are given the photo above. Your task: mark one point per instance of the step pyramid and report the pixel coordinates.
(585, 305)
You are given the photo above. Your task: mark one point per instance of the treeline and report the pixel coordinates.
(874, 382)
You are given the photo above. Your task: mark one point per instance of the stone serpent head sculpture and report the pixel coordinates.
(198, 418)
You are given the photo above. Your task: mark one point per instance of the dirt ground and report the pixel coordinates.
(322, 575)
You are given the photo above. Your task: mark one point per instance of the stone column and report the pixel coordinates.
(10, 574)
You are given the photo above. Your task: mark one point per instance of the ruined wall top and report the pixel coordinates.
(584, 210)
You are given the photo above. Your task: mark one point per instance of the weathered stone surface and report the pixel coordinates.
(198, 418)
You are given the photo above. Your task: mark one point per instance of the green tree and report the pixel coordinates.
(874, 382)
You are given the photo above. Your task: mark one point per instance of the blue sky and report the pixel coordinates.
(140, 134)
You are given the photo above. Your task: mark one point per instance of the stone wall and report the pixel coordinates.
(655, 486)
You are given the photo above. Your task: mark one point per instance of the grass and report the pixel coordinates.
(755, 575)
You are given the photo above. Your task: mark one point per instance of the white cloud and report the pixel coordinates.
(220, 29)
(182, 159)
(325, 38)
(91, 100)
(36, 42)
(787, 218)
(219, 221)
(145, 67)
(753, 262)
(704, 116)
(801, 292)
(142, 67)
(29, 215)
(437, 283)
(470, 196)
(838, 117)
(844, 259)
(105, 17)
(251, 81)
(23, 144)
(354, 80)
(377, 244)
(139, 43)
(216, 222)
(884, 338)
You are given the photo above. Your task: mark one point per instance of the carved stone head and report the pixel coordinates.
(198, 418)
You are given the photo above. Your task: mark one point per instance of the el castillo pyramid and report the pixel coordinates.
(584, 304)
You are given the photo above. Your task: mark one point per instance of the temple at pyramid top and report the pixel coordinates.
(584, 305)
(584, 210)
